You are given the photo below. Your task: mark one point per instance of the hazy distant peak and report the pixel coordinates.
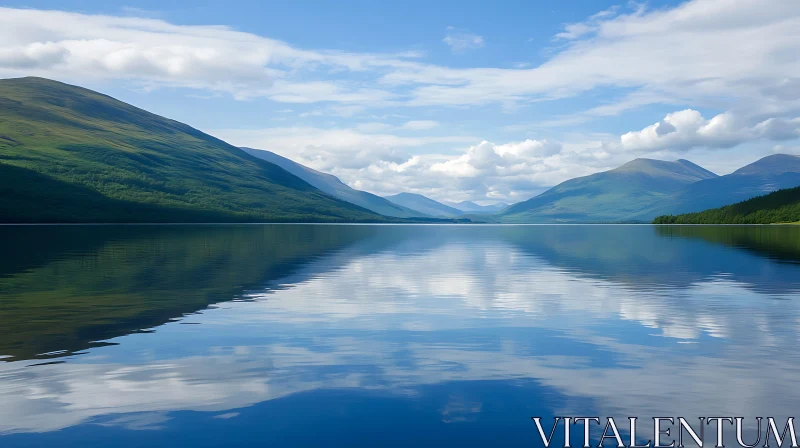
(610, 195)
(424, 204)
(409, 195)
(331, 185)
(281, 161)
(772, 165)
(663, 168)
(642, 164)
(472, 207)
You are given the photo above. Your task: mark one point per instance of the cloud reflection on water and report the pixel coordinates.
(423, 311)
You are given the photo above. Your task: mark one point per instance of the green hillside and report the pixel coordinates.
(782, 206)
(69, 154)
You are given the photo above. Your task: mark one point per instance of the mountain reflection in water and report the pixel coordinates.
(386, 335)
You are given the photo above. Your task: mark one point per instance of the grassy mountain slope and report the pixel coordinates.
(424, 205)
(614, 195)
(780, 206)
(331, 185)
(771, 173)
(69, 154)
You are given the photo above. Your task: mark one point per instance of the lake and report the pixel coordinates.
(361, 335)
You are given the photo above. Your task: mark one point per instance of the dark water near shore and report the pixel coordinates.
(306, 335)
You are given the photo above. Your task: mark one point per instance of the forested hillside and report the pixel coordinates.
(782, 206)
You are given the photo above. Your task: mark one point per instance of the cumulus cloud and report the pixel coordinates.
(512, 171)
(687, 129)
(463, 167)
(489, 158)
(34, 55)
(664, 128)
(444, 167)
(462, 40)
(336, 150)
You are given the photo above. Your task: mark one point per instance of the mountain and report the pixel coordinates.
(609, 196)
(471, 207)
(46, 316)
(69, 154)
(775, 172)
(424, 205)
(782, 206)
(333, 186)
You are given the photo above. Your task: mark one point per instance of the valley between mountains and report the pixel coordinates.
(72, 155)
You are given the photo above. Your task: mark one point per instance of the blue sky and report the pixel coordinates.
(453, 99)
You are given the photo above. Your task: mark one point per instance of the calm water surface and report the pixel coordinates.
(284, 335)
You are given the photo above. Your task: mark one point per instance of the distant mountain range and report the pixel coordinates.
(425, 205)
(616, 195)
(637, 191)
(403, 205)
(331, 184)
(471, 207)
(68, 154)
(642, 189)
(771, 173)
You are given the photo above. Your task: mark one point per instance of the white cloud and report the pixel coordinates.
(337, 150)
(731, 54)
(574, 31)
(580, 29)
(542, 287)
(489, 158)
(462, 40)
(702, 52)
(369, 158)
(783, 149)
(156, 53)
(630, 101)
(686, 129)
(736, 56)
